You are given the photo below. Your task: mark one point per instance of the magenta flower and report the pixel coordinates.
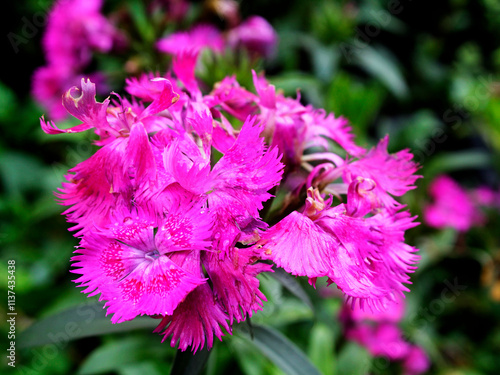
(199, 37)
(171, 229)
(75, 30)
(144, 265)
(392, 174)
(380, 334)
(416, 362)
(108, 178)
(452, 206)
(365, 256)
(294, 128)
(157, 221)
(254, 34)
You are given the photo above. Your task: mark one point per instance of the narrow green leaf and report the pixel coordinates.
(187, 363)
(353, 360)
(84, 320)
(459, 160)
(280, 350)
(140, 18)
(292, 285)
(110, 357)
(321, 349)
(382, 66)
(141, 368)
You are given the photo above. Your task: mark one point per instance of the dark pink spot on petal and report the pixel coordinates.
(132, 290)
(111, 260)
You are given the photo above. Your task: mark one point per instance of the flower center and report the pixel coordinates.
(153, 254)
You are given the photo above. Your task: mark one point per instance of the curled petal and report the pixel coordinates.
(81, 103)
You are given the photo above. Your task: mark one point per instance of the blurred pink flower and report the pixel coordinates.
(452, 206)
(255, 35)
(380, 334)
(75, 30)
(199, 37)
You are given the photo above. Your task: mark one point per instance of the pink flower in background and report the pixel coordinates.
(416, 362)
(452, 206)
(75, 30)
(255, 35)
(379, 332)
(486, 197)
(199, 37)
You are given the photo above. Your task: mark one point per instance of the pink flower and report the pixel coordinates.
(254, 34)
(380, 334)
(108, 178)
(365, 257)
(452, 206)
(392, 174)
(199, 37)
(237, 184)
(416, 362)
(138, 263)
(75, 29)
(486, 197)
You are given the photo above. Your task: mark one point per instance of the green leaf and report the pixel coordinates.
(353, 360)
(110, 357)
(140, 18)
(381, 65)
(292, 285)
(280, 350)
(141, 368)
(321, 349)
(84, 320)
(452, 161)
(187, 363)
(358, 102)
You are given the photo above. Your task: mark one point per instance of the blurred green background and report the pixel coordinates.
(424, 72)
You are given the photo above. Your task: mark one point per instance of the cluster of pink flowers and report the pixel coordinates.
(75, 30)
(379, 332)
(255, 35)
(453, 206)
(169, 210)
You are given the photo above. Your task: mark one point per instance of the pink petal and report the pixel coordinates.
(195, 321)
